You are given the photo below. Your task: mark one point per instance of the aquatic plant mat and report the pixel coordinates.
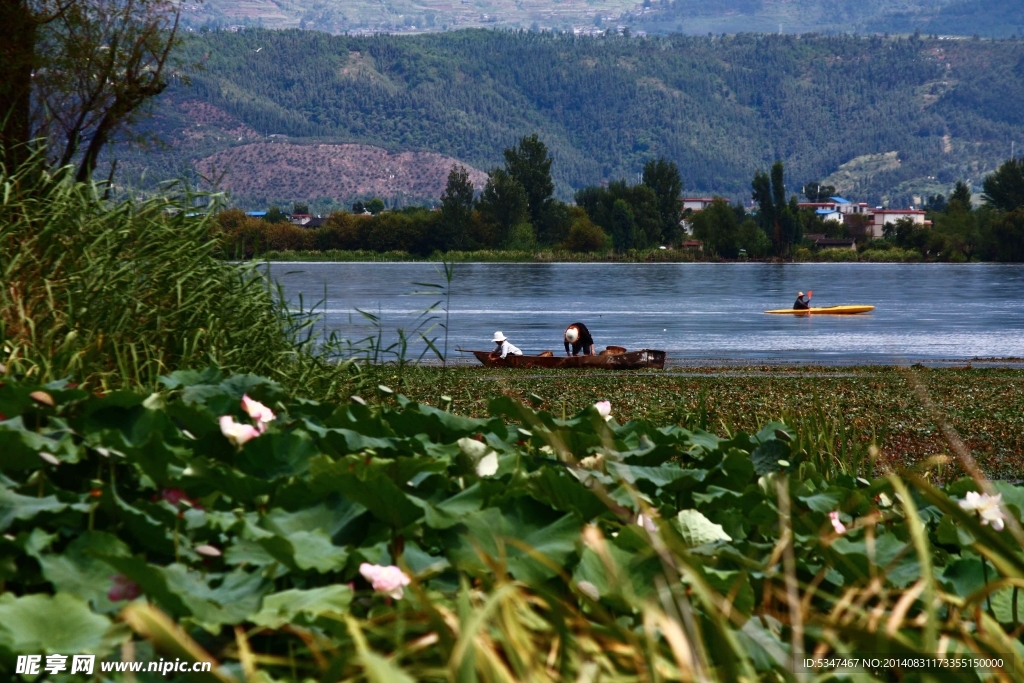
(849, 406)
(220, 520)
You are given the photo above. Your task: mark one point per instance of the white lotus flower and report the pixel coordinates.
(836, 524)
(604, 409)
(986, 506)
(388, 580)
(236, 432)
(488, 465)
(257, 411)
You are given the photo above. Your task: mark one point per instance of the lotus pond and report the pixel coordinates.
(297, 540)
(846, 407)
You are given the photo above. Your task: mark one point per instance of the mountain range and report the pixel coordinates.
(278, 115)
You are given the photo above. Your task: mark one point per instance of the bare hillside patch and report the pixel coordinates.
(271, 170)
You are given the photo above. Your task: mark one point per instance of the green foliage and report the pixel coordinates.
(116, 294)
(275, 215)
(630, 214)
(584, 236)
(717, 108)
(961, 194)
(816, 192)
(529, 165)
(779, 220)
(718, 228)
(130, 511)
(456, 209)
(522, 238)
(1004, 189)
(504, 204)
(663, 177)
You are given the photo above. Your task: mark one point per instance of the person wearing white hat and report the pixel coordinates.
(803, 302)
(578, 337)
(504, 348)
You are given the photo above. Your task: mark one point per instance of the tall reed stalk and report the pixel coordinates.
(116, 294)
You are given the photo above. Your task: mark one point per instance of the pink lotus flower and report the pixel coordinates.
(986, 506)
(387, 580)
(604, 409)
(836, 524)
(237, 433)
(174, 496)
(258, 412)
(123, 589)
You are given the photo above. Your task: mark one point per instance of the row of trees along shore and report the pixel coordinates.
(517, 211)
(959, 231)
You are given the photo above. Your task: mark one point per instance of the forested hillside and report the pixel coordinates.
(897, 118)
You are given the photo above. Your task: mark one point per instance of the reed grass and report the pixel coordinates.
(115, 294)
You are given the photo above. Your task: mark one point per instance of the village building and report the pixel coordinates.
(882, 217)
(697, 203)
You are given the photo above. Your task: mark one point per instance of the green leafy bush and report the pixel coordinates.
(535, 548)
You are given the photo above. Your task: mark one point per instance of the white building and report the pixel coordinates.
(697, 203)
(882, 217)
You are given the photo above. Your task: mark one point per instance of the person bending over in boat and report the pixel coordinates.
(504, 348)
(803, 302)
(578, 337)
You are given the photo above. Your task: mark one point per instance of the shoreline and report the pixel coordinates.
(560, 257)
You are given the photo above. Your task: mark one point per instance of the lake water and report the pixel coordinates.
(697, 312)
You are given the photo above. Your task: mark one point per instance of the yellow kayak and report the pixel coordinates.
(827, 310)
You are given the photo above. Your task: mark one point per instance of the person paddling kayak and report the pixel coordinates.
(803, 302)
(578, 336)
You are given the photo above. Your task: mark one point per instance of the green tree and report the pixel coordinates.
(623, 226)
(718, 228)
(529, 164)
(1004, 189)
(662, 176)
(600, 202)
(75, 74)
(456, 209)
(761, 189)
(1006, 236)
(906, 233)
(554, 223)
(961, 195)
(584, 236)
(375, 205)
(816, 192)
(275, 215)
(300, 208)
(504, 203)
(779, 219)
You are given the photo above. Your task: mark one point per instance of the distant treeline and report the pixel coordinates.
(958, 232)
(517, 212)
(716, 107)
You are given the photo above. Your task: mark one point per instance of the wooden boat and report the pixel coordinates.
(825, 310)
(615, 360)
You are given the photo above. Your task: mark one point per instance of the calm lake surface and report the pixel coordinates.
(701, 313)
